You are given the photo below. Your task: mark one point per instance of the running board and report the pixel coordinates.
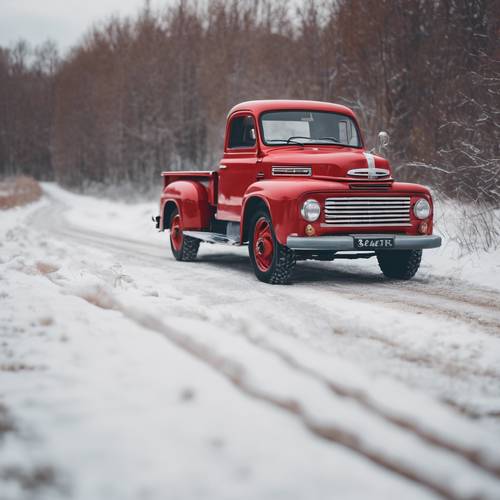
(211, 237)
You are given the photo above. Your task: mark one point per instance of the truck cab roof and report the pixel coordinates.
(259, 106)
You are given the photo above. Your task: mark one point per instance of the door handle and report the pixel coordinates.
(222, 167)
(260, 175)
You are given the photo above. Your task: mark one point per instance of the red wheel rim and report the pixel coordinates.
(176, 232)
(263, 245)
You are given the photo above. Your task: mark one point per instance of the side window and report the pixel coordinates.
(242, 132)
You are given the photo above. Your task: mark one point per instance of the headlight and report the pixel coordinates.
(310, 210)
(422, 209)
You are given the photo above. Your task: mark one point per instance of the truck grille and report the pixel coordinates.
(367, 211)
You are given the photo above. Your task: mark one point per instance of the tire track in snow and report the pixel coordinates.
(459, 291)
(155, 256)
(450, 302)
(408, 354)
(145, 254)
(235, 373)
(232, 371)
(343, 282)
(472, 455)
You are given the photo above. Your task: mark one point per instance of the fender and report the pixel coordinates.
(191, 199)
(282, 200)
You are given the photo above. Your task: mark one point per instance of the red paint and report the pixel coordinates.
(176, 233)
(191, 199)
(263, 245)
(225, 195)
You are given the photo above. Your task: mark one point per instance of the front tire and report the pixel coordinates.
(399, 264)
(272, 262)
(183, 247)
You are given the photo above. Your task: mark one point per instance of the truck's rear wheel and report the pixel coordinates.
(183, 247)
(271, 261)
(399, 264)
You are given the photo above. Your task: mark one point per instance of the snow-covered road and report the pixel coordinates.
(194, 380)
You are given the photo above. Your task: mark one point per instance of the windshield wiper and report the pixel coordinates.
(328, 139)
(287, 141)
(291, 139)
(312, 139)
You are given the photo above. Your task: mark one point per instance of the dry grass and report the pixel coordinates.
(475, 227)
(6, 424)
(46, 321)
(98, 296)
(16, 367)
(17, 191)
(46, 267)
(32, 480)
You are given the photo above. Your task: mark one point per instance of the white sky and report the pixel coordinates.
(63, 21)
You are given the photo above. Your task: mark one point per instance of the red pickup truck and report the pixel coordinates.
(296, 183)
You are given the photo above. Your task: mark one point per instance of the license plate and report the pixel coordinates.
(373, 243)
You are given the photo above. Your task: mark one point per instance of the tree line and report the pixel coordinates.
(142, 94)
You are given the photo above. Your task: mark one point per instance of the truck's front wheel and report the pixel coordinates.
(183, 247)
(272, 262)
(399, 264)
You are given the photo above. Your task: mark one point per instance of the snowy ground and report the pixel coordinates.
(127, 375)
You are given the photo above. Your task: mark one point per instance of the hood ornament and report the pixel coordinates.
(369, 173)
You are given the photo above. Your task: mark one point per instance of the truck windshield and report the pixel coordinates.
(308, 127)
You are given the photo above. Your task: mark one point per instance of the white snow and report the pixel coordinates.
(130, 375)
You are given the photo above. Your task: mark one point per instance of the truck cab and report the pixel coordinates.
(295, 183)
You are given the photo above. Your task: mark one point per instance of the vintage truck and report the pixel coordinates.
(296, 183)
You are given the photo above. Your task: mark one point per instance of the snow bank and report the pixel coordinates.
(105, 408)
(144, 377)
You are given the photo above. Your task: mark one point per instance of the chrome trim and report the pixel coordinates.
(212, 237)
(346, 243)
(367, 198)
(352, 224)
(367, 211)
(369, 173)
(383, 216)
(291, 170)
(371, 166)
(352, 211)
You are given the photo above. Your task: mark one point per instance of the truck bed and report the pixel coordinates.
(207, 177)
(171, 175)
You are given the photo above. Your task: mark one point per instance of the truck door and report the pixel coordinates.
(238, 167)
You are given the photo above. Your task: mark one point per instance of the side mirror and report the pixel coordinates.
(383, 139)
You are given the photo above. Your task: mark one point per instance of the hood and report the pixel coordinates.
(348, 163)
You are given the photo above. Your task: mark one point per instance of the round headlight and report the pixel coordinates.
(310, 210)
(422, 209)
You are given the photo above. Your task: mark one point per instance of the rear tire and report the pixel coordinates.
(272, 262)
(399, 264)
(183, 247)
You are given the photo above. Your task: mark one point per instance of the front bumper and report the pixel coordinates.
(346, 242)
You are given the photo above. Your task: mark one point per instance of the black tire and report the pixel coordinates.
(283, 259)
(187, 250)
(399, 264)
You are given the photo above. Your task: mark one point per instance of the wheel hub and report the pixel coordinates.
(263, 245)
(260, 246)
(176, 233)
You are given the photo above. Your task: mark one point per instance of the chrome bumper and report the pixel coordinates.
(346, 242)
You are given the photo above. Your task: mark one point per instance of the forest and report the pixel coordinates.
(143, 94)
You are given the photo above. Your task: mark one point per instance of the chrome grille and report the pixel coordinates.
(367, 211)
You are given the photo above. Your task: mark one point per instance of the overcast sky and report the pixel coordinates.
(64, 21)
